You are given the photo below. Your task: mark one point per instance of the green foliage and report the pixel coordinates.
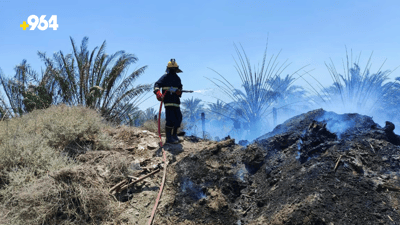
(289, 98)
(218, 110)
(261, 87)
(192, 109)
(97, 80)
(26, 91)
(38, 98)
(149, 114)
(356, 90)
(389, 101)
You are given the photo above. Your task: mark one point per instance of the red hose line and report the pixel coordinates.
(165, 168)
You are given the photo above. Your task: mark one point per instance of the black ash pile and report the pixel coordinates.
(316, 168)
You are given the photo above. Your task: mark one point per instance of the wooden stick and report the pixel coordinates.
(391, 188)
(247, 209)
(139, 179)
(247, 196)
(4, 115)
(337, 163)
(117, 185)
(135, 178)
(391, 218)
(151, 167)
(373, 150)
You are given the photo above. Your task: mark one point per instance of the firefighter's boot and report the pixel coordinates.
(170, 139)
(175, 134)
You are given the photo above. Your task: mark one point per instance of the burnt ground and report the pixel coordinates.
(316, 168)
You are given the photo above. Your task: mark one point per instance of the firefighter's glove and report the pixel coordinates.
(160, 96)
(178, 92)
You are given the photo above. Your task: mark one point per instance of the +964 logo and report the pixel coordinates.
(40, 22)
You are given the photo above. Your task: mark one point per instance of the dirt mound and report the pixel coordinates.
(316, 168)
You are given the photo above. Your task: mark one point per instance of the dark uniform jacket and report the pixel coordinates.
(166, 81)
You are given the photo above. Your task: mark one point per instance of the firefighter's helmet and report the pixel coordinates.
(172, 64)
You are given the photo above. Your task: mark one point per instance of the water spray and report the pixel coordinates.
(199, 91)
(189, 91)
(203, 91)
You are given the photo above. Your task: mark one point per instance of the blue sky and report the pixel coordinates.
(200, 34)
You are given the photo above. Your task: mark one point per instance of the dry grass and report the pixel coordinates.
(68, 197)
(57, 166)
(73, 195)
(152, 125)
(39, 184)
(31, 142)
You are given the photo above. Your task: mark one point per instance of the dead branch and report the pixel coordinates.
(136, 178)
(130, 148)
(4, 115)
(337, 163)
(139, 179)
(117, 186)
(373, 150)
(390, 187)
(151, 167)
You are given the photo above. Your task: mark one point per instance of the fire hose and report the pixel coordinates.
(164, 156)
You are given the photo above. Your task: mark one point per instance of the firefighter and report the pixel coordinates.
(169, 89)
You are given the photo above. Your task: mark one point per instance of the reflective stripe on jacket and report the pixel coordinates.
(171, 104)
(164, 83)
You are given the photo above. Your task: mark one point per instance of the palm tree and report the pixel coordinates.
(134, 117)
(356, 90)
(218, 110)
(289, 98)
(250, 104)
(97, 80)
(24, 96)
(149, 114)
(389, 102)
(192, 109)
